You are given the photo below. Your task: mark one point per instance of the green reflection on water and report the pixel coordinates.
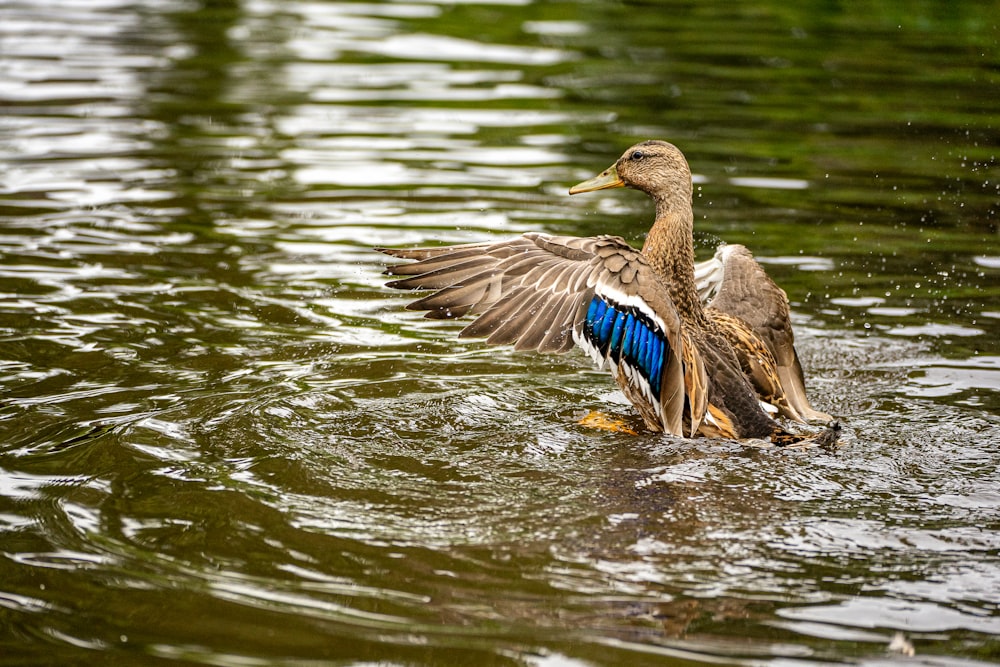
(224, 443)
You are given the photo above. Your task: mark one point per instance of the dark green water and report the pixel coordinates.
(222, 440)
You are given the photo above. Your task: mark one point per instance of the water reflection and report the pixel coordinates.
(224, 442)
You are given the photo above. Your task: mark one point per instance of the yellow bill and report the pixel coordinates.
(606, 179)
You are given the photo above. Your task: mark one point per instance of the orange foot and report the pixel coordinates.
(599, 420)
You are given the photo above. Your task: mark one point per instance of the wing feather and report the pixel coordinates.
(738, 287)
(445, 276)
(425, 254)
(547, 293)
(520, 315)
(498, 314)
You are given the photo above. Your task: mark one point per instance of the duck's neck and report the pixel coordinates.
(669, 248)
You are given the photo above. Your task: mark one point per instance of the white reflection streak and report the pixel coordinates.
(769, 183)
(867, 612)
(244, 593)
(436, 47)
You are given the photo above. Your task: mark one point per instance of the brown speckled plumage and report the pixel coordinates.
(540, 292)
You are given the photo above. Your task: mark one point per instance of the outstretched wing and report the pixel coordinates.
(735, 285)
(547, 293)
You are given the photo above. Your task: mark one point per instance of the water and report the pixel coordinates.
(224, 442)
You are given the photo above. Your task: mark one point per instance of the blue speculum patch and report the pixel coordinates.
(628, 337)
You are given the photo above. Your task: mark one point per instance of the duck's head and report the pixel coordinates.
(655, 167)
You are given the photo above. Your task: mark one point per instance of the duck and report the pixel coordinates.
(699, 349)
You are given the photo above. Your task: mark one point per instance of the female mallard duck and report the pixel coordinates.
(688, 368)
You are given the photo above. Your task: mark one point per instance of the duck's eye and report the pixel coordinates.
(636, 155)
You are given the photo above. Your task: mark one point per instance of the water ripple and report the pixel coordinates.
(217, 421)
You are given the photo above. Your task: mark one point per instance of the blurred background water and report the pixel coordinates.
(222, 440)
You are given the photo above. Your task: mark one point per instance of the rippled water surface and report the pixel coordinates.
(222, 440)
